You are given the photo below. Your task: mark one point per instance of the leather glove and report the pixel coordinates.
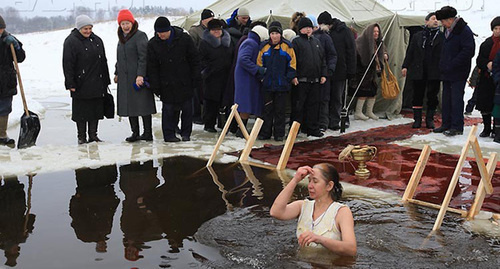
(9, 39)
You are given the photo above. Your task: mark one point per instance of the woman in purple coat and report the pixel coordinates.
(247, 92)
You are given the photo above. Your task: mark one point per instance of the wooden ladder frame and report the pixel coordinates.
(484, 186)
(285, 154)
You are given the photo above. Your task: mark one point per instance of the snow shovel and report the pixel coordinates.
(344, 113)
(30, 123)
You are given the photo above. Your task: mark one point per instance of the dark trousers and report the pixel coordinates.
(305, 106)
(324, 104)
(274, 114)
(210, 112)
(170, 118)
(197, 108)
(453, 104)
(336, 101)
(422, 88)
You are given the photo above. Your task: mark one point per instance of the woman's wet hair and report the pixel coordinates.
(330, 174)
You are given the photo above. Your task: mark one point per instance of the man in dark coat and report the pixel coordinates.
(173, 70)
(238, 23)
(8, 79)
(311, 73)
(343, 40)
(421, 67)
(455, 65)
(196, 33)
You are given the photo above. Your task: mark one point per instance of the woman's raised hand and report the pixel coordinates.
(302, 172)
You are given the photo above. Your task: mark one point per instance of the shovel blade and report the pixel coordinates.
(30, 128)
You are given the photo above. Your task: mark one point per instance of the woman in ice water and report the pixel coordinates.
(323, 222)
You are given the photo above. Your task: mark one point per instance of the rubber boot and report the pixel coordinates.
(93, 131)
(358, 114)
(497, 130)
(4, 139)
(147, 121)
(239, 133)
(429, 119)
(487, 125)
(369, 109)
(81, 128)
(417, 117)
(134, 126)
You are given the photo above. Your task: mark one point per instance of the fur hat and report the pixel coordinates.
(495, 22)
(125, 15)
(215, 24)
(325, 18)
(289, 34)
(446, 12)
(261, 31)
(207, 13)
(162, 24)
(2, 23)
(275, 27)
(82, 21)
(243, 11)
(305, 22)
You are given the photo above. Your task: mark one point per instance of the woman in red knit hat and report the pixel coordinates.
(134, 97)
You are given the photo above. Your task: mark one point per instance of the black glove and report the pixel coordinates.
(9, 39)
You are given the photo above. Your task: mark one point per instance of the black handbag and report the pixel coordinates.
(109, 105)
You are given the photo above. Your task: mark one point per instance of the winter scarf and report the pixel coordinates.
(430, 34)
(495, 48)
(366, 45)
(124, 38)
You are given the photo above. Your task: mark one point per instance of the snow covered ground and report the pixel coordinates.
(56, 146)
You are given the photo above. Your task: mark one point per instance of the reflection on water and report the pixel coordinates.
(176, 213)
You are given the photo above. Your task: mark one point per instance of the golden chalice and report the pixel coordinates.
(361, 155)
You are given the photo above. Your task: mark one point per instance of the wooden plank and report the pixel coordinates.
(261, 165)
(241, 125)
(222, 189)
(251, 140)
(454, 180)
(485, 177)
(222, 135)
(461, 212)
(481, 191)
(257, 189)
(417, 173)
(287, 149)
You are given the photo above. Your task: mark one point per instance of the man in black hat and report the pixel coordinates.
(343, 40)
(455, 65)
(196, 33)
(173, 71)
(421, 67)
(8, 80)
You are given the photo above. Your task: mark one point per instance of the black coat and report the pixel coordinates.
(418, 58)
(173, 67)
(343, 40)
(329, 50)
(310, 56)
(8, 79)
(496, 78)
(216, 60)
(85, 66)
(485, 85)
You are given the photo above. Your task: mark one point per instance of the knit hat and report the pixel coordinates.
(428, 17)
(313, 20)
(162, 24)
(325, 18)
(215, 24)
(289, 34)
(207, 13)
(125, 15)
(446, 12)
(82, 21)
(2, 23)
(494, 22)
(305, 22)
(261, 31)
(243, 11)
(275, 27)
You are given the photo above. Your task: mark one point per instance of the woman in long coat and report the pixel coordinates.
(86, 76)
(134, 98)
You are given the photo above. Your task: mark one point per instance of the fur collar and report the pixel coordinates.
(225, 39)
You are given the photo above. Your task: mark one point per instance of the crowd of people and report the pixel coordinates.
(265, 69)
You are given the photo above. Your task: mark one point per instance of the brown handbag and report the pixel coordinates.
(389, 83)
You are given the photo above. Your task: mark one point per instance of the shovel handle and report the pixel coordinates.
(19, 79)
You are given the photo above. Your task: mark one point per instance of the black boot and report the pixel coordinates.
(81, 127)
(134, 126)
(417, 117)
(487, 125)
(429, 119)
(147, 121)
(4, 139)
(497, 130)
(239, 133)
(93, 131)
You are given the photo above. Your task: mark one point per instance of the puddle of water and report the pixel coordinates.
(177, 214)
